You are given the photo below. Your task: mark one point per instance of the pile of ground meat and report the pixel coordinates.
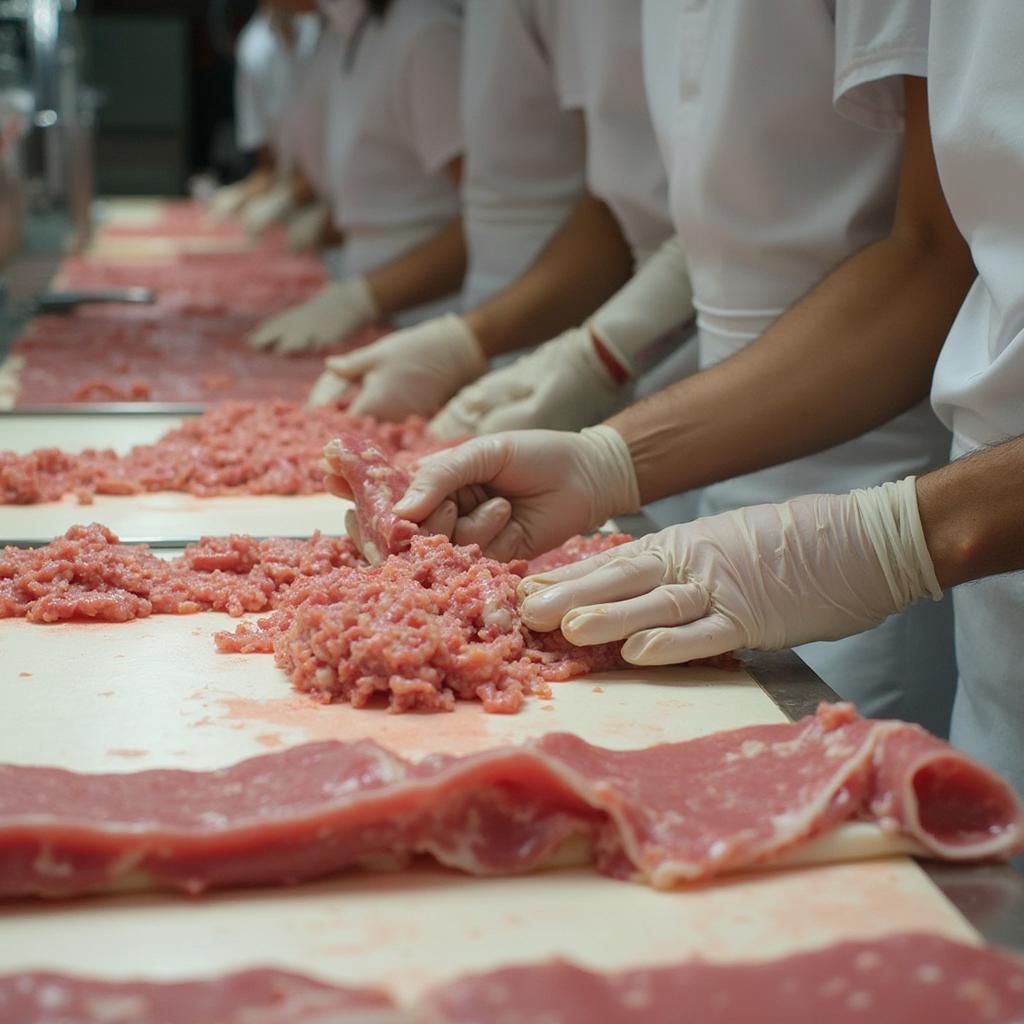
(426, 627)
(232, 448)
(88, 574)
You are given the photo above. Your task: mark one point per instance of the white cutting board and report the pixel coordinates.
(171, 515)
(163, 514)
(155, 693)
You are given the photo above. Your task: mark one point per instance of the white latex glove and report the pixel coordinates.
(333, 313)
(305, 227)
(228, 200)
(267, 208)
(556, 483)
(766, 577)
(564, 385)
(409, 371)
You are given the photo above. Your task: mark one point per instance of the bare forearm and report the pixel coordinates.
(973, 514)
(428, 271)
(854, 353)
(586, 262)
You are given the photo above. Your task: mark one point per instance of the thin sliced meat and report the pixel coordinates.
(903, 978)
(666, 814)
(376, 484)
(259, 996)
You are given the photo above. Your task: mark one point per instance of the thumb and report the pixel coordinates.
(354, 365)
(453, 421)
(445, 473)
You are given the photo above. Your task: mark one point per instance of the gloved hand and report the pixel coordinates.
(566, 384)
(409, 371)
(766, 577)
(228, 200)
(266, 208)
(305, 227)
(557, 484)
(334, 312)
(563, 385)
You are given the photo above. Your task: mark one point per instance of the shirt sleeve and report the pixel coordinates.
(876, 44)
(430, 95)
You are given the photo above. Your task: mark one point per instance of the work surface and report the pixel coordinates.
(155, 692)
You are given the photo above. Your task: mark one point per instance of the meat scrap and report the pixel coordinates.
(673, 813)
(232, 448)
(376, 485)
(262, 995)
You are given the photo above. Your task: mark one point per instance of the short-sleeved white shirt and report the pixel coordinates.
(770, 187)
(525, 150)
(970, 53)
(265, 69)
(605, 78)
(393, 126)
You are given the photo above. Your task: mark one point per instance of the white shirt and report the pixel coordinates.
(304, 123)
(770, 187)
(265, 65)
(525, 151)
(624, 166)
(392, 129)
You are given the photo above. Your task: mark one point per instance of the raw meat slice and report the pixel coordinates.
(259, 996)
(895, 980)
(676, 812)
(907, 977)
(232, 448)
(376, 484)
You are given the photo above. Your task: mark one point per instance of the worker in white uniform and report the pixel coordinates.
(830, 565)
(618, 223)
(271, 49)
(393, 160)
(762, 222)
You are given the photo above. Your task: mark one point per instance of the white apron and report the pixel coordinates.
(524, 165)
(770, 189)
(392, 130)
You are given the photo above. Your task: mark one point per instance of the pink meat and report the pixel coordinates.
(427, 627)
(260, 996)
(901, 978)
(376, 484)
(423, 629)
(88, 574)
(233, 448)
(676, 812)
(575, 549)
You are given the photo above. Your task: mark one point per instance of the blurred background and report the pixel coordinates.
(111, 97)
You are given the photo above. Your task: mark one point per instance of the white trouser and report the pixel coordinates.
(906, 667)
(988, 715)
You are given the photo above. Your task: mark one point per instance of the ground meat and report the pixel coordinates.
(424, 628)
(88, 574)
(575, 549)
(233, 448)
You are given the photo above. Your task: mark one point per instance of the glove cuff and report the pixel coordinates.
(467, 350)
(359, 297)
(893, 524)
(610, 475)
